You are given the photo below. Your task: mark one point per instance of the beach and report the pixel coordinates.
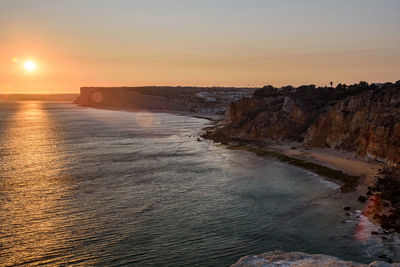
(346, 162)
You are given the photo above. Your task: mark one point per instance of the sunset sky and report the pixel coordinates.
(204, 43)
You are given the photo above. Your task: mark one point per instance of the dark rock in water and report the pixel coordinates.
(374, 233)
(347, 208)
(198, 139)
(347, 214)
(278, 259)
(362, 198)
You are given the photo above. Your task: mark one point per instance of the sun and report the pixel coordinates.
(29, 65)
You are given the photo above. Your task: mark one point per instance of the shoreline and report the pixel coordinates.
(345, 169)
(347, 182)
(326, 163)
(346, 162)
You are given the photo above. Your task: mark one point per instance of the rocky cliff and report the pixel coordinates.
(268, 118)
(195, 99)
(368, 123)
(361, 118)
(279, 258)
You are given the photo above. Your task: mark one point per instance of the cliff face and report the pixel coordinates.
(360, 118)
(268, 118)
(368, 124)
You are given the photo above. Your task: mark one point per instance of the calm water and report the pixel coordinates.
(95, 187)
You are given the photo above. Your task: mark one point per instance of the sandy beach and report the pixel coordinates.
(340, 160)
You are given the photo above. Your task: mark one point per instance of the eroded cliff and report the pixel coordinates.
(361, 118)
(368, 123)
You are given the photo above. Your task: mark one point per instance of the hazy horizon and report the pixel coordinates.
(207, 43)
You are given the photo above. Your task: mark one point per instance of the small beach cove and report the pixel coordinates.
(347, 170)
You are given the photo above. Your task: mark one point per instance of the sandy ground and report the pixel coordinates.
(344, 161)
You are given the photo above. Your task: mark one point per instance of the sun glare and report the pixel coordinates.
(29, 66)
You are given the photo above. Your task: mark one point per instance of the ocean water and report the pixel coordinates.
(82, 186)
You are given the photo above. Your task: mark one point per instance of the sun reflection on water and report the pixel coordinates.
(33, 192)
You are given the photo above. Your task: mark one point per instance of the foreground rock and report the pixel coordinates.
(298, 259)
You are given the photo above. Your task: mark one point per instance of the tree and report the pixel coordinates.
(266, 91)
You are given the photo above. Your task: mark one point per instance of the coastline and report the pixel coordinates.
(334, 166)
(347, 170)
(325, 162)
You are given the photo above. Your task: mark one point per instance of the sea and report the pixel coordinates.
(84, 186)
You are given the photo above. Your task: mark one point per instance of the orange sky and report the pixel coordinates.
(225, 43)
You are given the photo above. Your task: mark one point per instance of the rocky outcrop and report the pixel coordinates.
(298, 259)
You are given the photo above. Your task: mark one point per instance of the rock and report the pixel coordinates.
(347, 208)
(374, 233)
(298, 259)
(362, 198)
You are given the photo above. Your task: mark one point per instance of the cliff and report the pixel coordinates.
(120, 97)
(195, 99)
(368, 124)
(279, 258)
(360, 118)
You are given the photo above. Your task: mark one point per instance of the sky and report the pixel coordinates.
(253, 43)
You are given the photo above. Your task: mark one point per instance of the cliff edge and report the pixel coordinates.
(193, 99)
